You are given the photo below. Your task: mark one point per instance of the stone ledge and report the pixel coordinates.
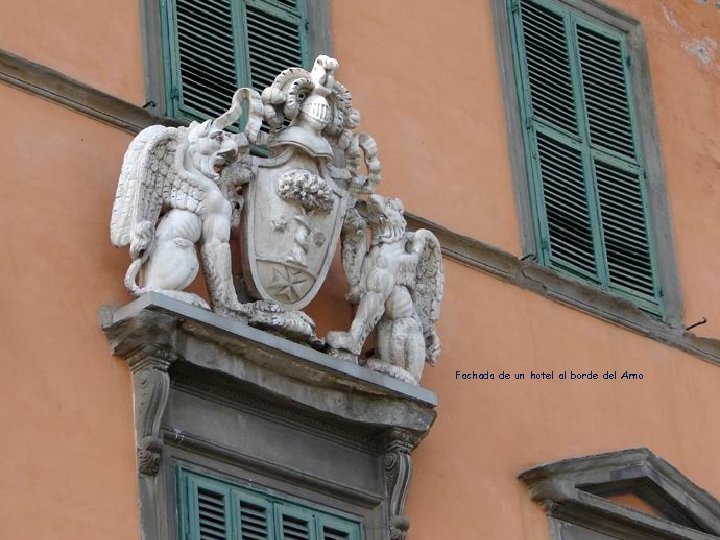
(159, 325)
(63, 90)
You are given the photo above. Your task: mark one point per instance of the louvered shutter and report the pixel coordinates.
(213, 509)
(562, 190)
(618, 173)
(330, 528)
(587, 178)
(254, 516)
(276, 40)
(294, 523)
(213, 47)
(207, 514)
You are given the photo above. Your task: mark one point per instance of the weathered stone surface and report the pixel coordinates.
(270, 364)
(397, 284)
(574, 492)
(171, 196)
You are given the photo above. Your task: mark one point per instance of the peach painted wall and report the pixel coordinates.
(425, 76)
(488, 432)
(434, 102)
(68, 461)
(96, 42)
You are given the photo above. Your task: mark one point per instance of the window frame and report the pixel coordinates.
(156, 70)
(204, 454)
(640, 84)
(573, 494)
(277, 504)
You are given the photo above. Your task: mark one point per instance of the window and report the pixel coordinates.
(198, 52)
(592, 165)
(212, 509)
(214, 47)
(630, 494)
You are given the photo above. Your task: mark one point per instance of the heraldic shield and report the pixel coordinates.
(292, 222)
(298, 198)
(300, 180)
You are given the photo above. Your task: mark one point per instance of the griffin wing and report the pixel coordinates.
(148, 168)
(354, 248)
(428, 290)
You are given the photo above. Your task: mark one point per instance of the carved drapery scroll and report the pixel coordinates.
(151, 380)
(397, 466)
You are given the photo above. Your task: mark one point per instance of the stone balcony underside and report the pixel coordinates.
(235, 354)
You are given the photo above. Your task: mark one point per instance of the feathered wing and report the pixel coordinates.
(428, 290)
(148, 168)
(354, 247)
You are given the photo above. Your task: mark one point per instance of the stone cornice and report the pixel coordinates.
(238, 354)
(65, 91)
(576, 489)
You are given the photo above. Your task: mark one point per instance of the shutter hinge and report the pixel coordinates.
(660, 292)
(307, 25)
(515, 5)
(628, 61)
(544, 244)
(174, 92)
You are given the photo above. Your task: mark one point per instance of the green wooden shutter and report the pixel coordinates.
(276, 37)
(213, 47)
(213, 509)
(565, 222)
(202, 56)
(607, 103)
(618, 172)
(254, 515)
(332, 528)
(586, 172)
(293, 523)
(205, 509)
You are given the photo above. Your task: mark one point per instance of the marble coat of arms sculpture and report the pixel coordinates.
(297, 189)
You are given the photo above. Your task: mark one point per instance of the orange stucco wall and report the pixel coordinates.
(488, 432)
(431, 94)
(96, 42)
(68, 466)
(425, 76)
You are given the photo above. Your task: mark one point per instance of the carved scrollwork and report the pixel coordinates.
(152, 386)
(397, 467)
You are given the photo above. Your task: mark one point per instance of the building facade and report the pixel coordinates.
(564, 152)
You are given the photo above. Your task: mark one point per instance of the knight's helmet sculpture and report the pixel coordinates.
(297, 190)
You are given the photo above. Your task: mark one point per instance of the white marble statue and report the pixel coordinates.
(170, 198)
(296, 203)
(184, 188)
(398, 285)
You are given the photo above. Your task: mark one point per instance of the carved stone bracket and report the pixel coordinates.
(397, 464)
(176, 350)
(151, 382)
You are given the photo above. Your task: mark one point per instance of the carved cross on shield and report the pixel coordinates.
(292, 222)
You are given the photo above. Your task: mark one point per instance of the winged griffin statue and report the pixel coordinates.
(398, 286)
(183, 190)
(170, 196)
